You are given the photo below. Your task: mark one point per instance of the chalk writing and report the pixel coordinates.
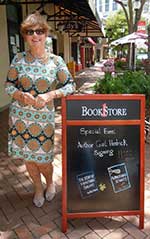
(126, 154)
(116, 142)
(87, 132)
(101, 147)
(109, 152)
(97, 131)
(84, 145)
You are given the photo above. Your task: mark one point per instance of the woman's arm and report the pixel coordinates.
(65, 80)
(11, 85)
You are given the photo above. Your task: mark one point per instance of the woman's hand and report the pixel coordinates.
(46, 97)
(28, 99)
(39, 102)
(24, 98)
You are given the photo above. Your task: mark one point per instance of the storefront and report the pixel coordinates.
(70, 21)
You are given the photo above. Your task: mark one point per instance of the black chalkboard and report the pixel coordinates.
(103, 168)
(103, 156)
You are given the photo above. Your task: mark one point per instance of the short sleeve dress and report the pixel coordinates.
(31, 130)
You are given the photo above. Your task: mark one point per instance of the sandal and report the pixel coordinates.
(38, 201)
(50, 192)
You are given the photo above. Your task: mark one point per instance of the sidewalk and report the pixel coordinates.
(20, 219)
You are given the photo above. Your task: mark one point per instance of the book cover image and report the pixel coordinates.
(87, 184)
(119, 177)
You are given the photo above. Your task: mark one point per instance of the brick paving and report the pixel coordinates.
(20, 219)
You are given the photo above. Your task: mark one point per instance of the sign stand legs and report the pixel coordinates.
(141, 222)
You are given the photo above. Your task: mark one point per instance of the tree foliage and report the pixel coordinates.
(116, 26)
(130, 12)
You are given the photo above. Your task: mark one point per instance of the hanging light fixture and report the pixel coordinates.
(60, 27)
(137, 4)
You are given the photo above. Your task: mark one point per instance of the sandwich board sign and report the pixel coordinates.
(102, 156)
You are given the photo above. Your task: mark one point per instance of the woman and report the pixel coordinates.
(31, 82)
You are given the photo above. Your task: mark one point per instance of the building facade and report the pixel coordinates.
(71, 24)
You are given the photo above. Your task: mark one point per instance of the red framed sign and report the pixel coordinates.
(102, 156)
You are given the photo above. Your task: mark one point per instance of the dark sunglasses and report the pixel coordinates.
(30, 32)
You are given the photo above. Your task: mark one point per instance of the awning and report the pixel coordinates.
(81, 7)
(74, 11)
(81, 10)
(134, 37)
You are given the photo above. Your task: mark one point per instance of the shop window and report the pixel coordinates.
(14, 18)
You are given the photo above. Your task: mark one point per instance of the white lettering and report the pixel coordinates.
(104, 111)
(84, 145)
(86, 132)
(101, 153)
(100, 143)
(108, 131)
(117, 142)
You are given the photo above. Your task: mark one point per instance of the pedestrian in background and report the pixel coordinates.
(32, 80)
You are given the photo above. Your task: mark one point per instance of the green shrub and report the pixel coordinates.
(120, 64)
(129, 82)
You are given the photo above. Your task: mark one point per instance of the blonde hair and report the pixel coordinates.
(34, 20)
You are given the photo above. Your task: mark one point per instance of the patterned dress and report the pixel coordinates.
(31, 130)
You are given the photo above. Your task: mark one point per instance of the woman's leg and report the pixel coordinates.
(34, 173)
(47, 171)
